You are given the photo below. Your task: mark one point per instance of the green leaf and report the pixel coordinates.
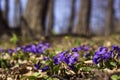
(36, 74)
(78, 65)
(86, 69)
(56, 68)
(3, 63)
(67, 37)
(45, 77)
(55, 79)
(32, 78)
(14, 38)
(115, 77)
(113, 64)
(77, 42)
(51, 78)
(83, 59)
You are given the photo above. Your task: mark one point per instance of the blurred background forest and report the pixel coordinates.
(36, 18)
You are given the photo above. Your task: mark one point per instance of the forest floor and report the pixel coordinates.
(20, 68)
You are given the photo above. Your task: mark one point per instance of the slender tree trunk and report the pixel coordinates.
(5, 18)
(1, 27)
(17, 13)
(109, 18)
(72, 16)
(4, 27)
(50, 17)
(84, 18)
(6, 10)
(35, 17)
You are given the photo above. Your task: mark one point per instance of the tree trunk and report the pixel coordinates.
(50, 17)
(72, 16)
(0, 18)
(4, 28)
(35, 17)
(17, 12)
(109, 18)
(6, 10)
(82, 27)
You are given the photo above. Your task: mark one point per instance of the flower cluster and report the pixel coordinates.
(69, 57)
(31, 48)
(79, 48)
(38, 66)
(103, 54)
(38, 49)
(66, 57)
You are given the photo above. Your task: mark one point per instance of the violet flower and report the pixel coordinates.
(45, 68)
(38, 65)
